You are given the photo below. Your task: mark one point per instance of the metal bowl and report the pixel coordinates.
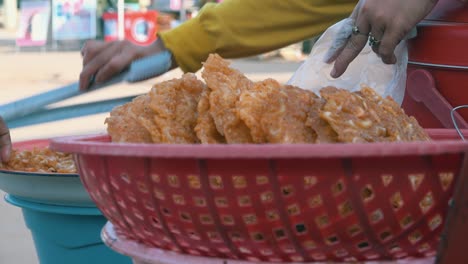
(49, 188)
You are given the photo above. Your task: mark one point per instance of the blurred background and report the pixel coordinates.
(66, 24)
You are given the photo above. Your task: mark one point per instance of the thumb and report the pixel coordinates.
(6, 153)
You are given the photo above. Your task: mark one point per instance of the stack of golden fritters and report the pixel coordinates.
(231, 109)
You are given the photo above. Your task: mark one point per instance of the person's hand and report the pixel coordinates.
(103, 60)
(5, 141)
(382, 23)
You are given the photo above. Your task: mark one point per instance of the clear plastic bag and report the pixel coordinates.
(366, 70)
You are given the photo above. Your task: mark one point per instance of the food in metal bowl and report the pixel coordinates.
(42, 160)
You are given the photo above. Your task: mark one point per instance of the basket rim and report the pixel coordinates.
(113, 238)
(445, 141)
(5, 172)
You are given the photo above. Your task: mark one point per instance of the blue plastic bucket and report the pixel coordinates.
(67, 234)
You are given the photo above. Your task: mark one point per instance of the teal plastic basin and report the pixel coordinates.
(67, 234)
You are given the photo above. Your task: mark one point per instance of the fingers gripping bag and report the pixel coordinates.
(366, 70)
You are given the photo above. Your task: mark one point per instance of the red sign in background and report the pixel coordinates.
(139, 27)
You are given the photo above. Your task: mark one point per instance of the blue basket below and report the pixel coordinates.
(69, 235)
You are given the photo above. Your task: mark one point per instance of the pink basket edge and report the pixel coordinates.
(96, 145)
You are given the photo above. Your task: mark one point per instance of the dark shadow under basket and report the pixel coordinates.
(291, 203)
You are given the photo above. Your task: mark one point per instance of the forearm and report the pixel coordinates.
(238, 28)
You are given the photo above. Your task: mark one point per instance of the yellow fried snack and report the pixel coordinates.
(226, 85)
(230, 108)
(324, 132)
(126, 122)
(364, 116)
(174, 104)
(276, 113)
(42, 160)
(400, 127)
(206, 128)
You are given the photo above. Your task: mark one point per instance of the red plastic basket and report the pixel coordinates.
(142, 254)
(277, 203)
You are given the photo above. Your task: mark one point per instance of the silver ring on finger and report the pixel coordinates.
(373, 41)
(356, 31)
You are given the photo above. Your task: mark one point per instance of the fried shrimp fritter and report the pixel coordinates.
(168, 114)
(366, 117)
(400, 127)
(350, 116)
(124, 125)
(230, 108)
(324, 132)
(43, 160)
(275, 113)
(206, 129)
(226, 85)
(174, 104)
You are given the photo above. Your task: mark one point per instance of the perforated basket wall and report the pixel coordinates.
(275, 202)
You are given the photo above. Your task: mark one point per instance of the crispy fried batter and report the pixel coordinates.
(233, 109)
(400, 127)
(42, 160)
(123, 124)
(206, 129)
(350, 116)
(226, 85)
(145, 117)
(366, 117)
(276, 114)
(324, 132)
(175, 104)
(166, 115)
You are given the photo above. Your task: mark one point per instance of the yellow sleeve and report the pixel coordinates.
(239, 28)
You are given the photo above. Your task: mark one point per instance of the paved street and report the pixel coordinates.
(24, 73)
